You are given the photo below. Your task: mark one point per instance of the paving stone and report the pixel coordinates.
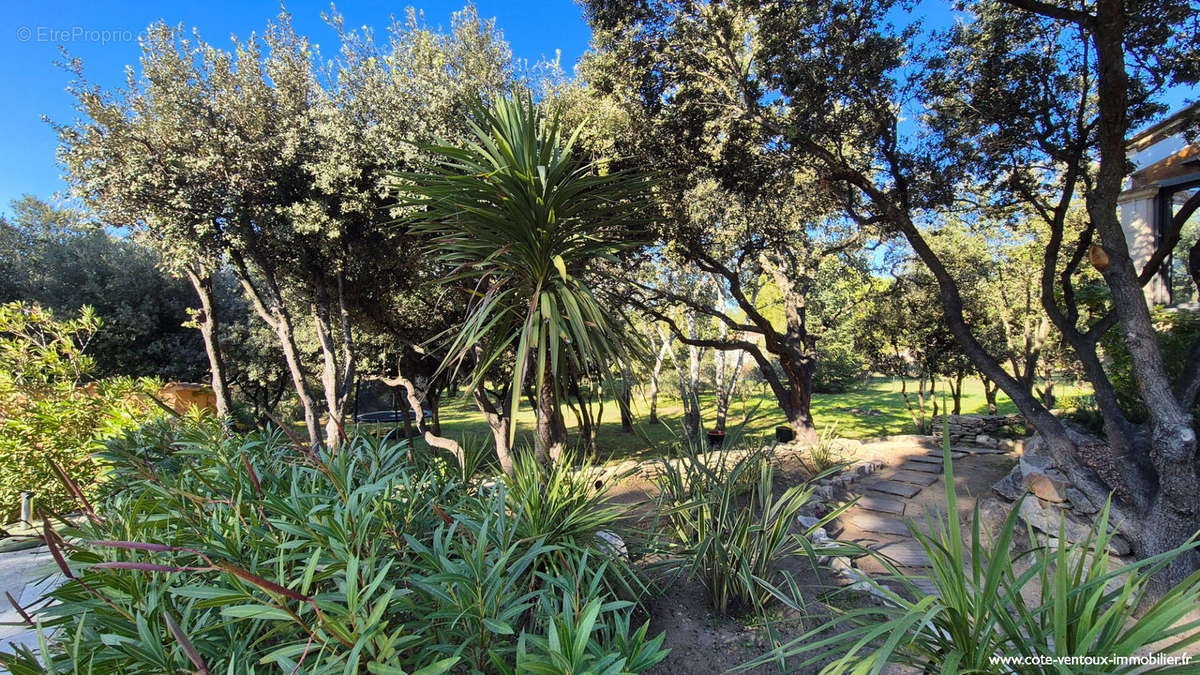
(914, 477)
(881, 504)
(937, 454)
(905, 553)
(893, 488)
(981, 451)
(869, 522)
(927, 459)
(922, 467)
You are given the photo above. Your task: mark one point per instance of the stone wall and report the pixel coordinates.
(968, 429)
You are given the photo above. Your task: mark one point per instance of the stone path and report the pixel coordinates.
(887, 506)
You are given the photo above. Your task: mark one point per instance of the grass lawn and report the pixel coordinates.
(874, 409)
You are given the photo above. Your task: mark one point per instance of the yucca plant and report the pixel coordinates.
(978, 615)
(732, 527)
(524, 221)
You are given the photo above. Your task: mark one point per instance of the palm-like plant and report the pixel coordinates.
(526, 221)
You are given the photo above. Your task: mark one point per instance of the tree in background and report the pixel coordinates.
(256, 159)
(737, 204)
(56, 258)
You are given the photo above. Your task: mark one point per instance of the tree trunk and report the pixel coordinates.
(799, 405)
(989, 392)
(336, 379)
(498, 422)
(1174, 513)
(434, 399)
(551, 429)
(656, 372)
(691, 414)
(206, 319)
(271, 309)
(691, 410)
(956, 391)
(626, 399)
(797, 353)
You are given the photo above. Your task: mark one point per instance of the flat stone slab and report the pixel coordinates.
(937, 454)
(981, 451)
(922, 467)
(893, 488)
(905, 553)
(882, 504)
(869, 522)
(927, 459)
(915, 477)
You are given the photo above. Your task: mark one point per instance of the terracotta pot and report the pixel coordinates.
(716, 439)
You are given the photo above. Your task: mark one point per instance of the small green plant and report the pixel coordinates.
(827, 453)
(731, 541)
(566, 505)
(978, 611)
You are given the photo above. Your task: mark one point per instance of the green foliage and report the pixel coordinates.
(519, 213)
(732, 526)
(1177, 332)
(62, 262)
(840, 366)
(826, 454)
(231, 553)
(1079, 605)
(48, 417)
(566, 505)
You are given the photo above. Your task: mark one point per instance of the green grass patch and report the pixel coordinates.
(875, 408)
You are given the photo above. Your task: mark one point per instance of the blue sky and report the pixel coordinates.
(103, 35)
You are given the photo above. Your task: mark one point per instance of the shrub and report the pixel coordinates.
(226, 553)
(978, 610)
(48, 418)
(827, 453)
(732, 542)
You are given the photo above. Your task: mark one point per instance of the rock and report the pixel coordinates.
(986, 441)
(807, 522)
(865, 469)
(840, 564)
(1050, 486)
(1047, 519)
(1034, 459)
(1119, 546)
(823, 492)
(1011, 487)
(1080, 502)
(613, 542)
(992, 513)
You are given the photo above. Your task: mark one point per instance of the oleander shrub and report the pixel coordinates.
(211, 552)
(51, 417)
